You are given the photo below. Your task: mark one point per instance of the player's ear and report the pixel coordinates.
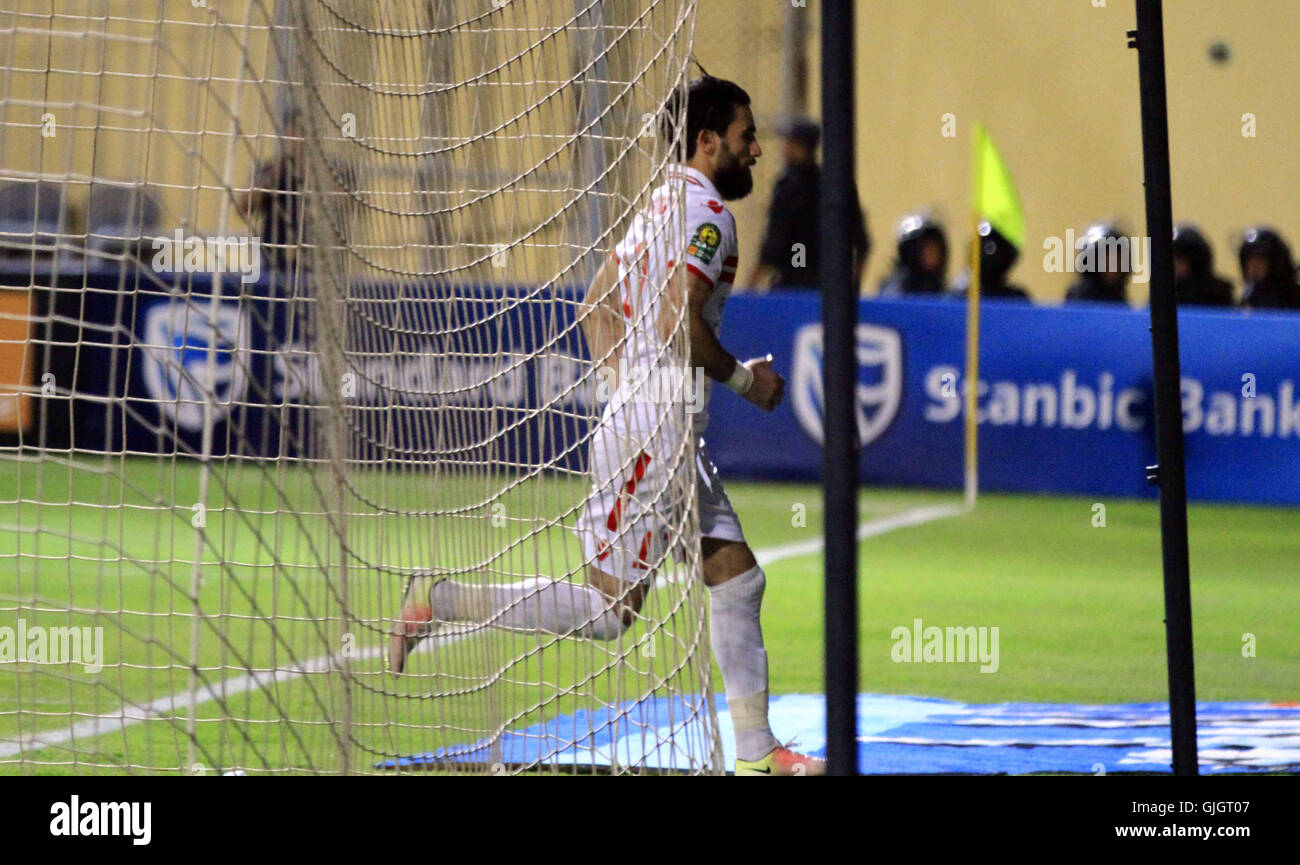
(707, 142)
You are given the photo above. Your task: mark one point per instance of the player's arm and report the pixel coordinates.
(600, 316)
(755, 380)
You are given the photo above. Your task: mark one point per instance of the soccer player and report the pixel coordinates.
(628, 313)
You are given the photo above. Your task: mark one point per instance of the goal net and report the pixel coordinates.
(291, 311)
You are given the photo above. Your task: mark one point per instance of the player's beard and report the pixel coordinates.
(733, 178)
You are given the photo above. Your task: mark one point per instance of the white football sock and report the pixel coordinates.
(541, 604)
(738, 648)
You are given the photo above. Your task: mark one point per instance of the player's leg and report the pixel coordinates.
(736, 586)
(599, 610)
(622, 542)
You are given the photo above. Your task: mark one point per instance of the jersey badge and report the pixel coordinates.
(704, 245)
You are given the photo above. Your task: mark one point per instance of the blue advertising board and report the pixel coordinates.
(1064, 397)
(1064, 393)
(431, 372)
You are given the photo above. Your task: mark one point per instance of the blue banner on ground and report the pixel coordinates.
(917, 735)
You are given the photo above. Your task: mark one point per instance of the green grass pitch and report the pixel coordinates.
(1079, 610)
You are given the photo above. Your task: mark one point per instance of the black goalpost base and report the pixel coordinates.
(1170, 469)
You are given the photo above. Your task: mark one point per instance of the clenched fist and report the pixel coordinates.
(768, 388)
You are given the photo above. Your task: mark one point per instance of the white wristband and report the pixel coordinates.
(742, 379)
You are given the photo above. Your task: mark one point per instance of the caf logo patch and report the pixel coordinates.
(705, 242)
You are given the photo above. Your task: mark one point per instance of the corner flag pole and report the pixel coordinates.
(1170, 470)
(973, 327)
(993, 197)
(839, 383)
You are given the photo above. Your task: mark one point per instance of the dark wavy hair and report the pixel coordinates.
(710, 104)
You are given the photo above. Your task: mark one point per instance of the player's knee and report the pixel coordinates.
(611, 624)
(755, 582)
(726, 560)
(745, 588)
(619, 615)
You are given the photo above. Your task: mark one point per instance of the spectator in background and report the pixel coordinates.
(794, 217)
(1107, 280)
(1194, 281)
(922, 263)
(1268, 271)
(997, 256)
(276, 196)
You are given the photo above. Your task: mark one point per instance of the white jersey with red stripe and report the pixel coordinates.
(705, 244)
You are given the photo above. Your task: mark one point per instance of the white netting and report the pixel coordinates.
(292, 309)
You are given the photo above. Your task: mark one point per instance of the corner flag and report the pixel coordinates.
(993, 197)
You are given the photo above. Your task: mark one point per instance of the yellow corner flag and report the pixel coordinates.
(995, 196)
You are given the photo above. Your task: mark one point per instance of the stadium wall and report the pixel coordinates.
(1054, 83)
(1057, 88)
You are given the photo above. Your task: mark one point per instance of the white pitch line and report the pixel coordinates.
(869, 529)
(113, 722)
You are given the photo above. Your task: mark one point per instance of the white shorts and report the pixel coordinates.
(628, 522)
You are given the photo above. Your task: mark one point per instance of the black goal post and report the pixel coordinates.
(839, 380)
(1170, 470)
